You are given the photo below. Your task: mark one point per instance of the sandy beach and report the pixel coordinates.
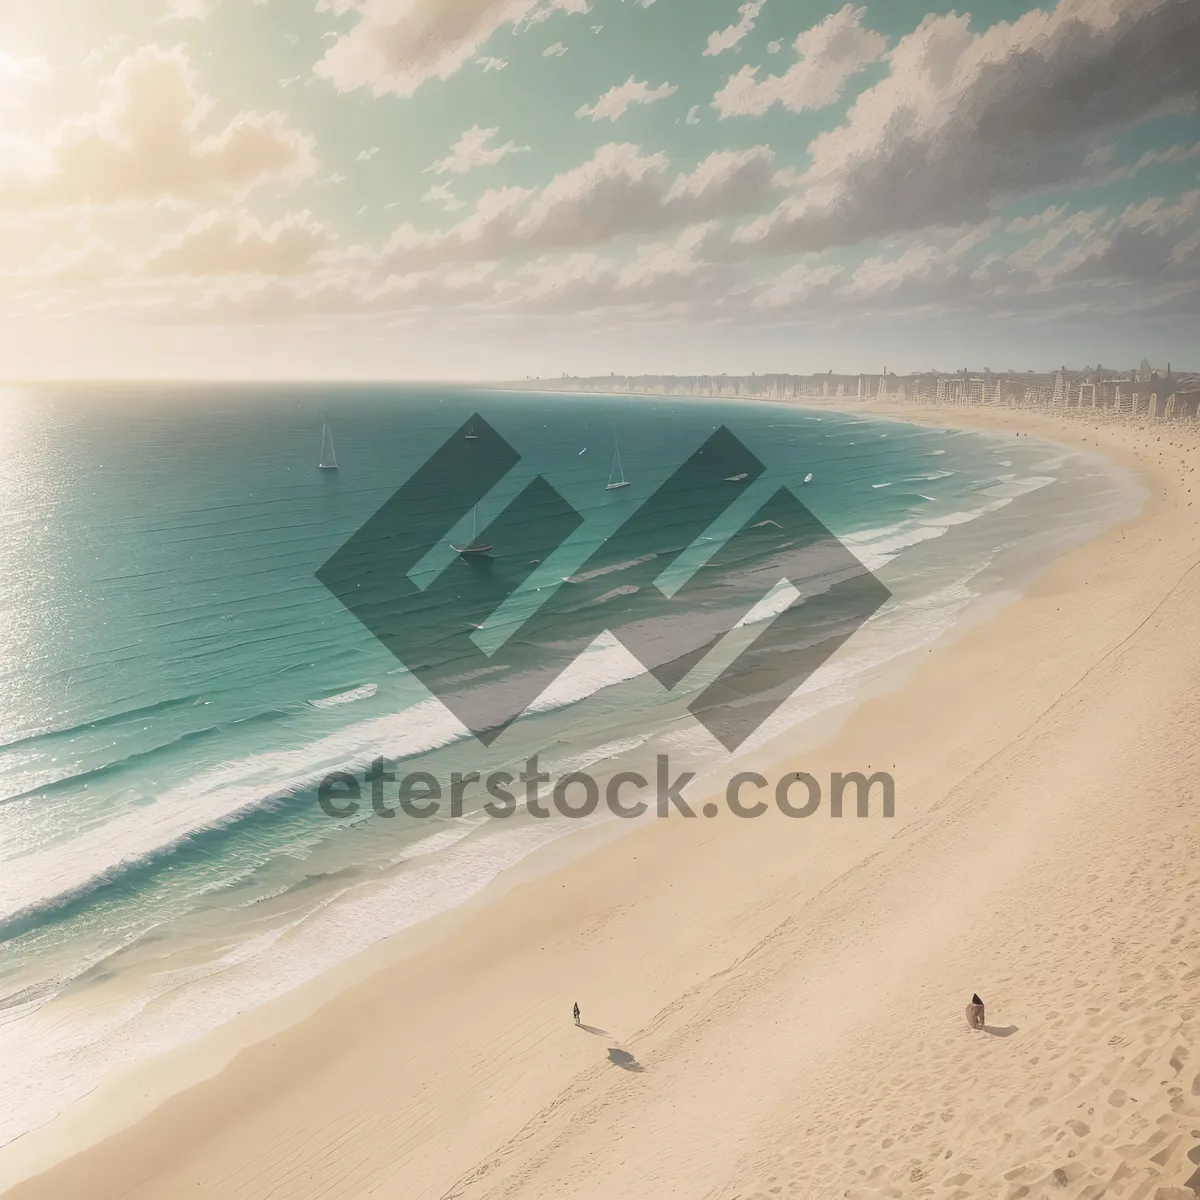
(775, 1007)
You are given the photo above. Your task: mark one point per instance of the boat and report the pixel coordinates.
(471, 548)
(328, 457)
(735, 478)
(471, 434)
(808, 477)
(616, 473)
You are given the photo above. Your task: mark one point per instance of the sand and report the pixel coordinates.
(775, 1007)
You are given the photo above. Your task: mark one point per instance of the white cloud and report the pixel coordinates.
(965, 119)
(20, 78)
(881, 274)
(229, 243)
(1169, 156)
(660, 279)
(726, 39)
(189, 10)
(618, 192)
(774, 47)
(693, 117)
(1046, 217)
(555, 51)
(367, 154)
(442, 194)
(796, 283)
(399, 44)
(614, 103)
(831, 54)
(16, 74)
(1154, 242)
(144, 144)
(492, 64)
(472, 151)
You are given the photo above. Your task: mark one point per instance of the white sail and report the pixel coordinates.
(616, 473)
(328, 457)
(473, 546)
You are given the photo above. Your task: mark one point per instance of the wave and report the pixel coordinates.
(621, 566)
(218, 798)
(117, 718)
(63, 783)
(359, 693)
(1003, 493)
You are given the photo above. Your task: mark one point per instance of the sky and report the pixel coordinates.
(499, 189)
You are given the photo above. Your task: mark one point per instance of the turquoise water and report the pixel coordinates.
(175, 680)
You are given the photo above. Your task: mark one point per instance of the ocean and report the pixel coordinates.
(177, 681)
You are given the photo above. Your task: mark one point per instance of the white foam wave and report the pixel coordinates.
(621, 566)
(56, 1055)
(359, 693)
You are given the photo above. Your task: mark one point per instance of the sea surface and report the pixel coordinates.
(175, 681)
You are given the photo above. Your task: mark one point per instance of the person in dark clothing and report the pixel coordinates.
(577, 1012)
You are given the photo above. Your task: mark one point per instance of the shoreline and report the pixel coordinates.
(640, 974)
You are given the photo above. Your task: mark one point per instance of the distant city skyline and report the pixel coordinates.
(493, 189)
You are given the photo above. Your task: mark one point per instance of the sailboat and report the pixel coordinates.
(328, 457)
(471, 547)
(616, 473)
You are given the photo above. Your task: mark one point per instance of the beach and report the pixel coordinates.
(772, 1006)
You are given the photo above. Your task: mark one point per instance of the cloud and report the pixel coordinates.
(964, 120)
(1168, 156)
(397, 45)
(16, 74)
(1046, 217)
(726, 39)
(1152, 243)
(660, 278)
(367, 154)
(442, 194)
(20, 78)
(693, 117)
(229, 266)
(620, 191)
(492, 64)
(189, 10)
(144, 144)
(616, 100)
(796, 283)
(236, 243)
(831, 53)
(1082, 263)
(472, 151)
(555, 51)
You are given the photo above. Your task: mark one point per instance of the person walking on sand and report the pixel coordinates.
(975, 1012)
(576, 1012)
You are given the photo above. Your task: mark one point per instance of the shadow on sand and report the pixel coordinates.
(624, 1060)
(1000, 1030)
(593, 1029)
